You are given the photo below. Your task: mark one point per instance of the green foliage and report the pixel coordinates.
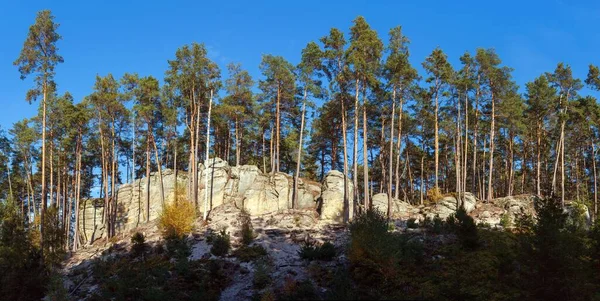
(56, 291)
(262, 274)
(54, 238)
(250, 253)
(247, 231)
(23, 276)
(298, 290)
(139, 246)
(178, 248)
(159, 278)
(505, 220)
(312, 251)
(412, 223)
(221, 243)
(465, 228)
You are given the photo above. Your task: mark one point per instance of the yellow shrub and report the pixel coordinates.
(177, 219)
(434, 194)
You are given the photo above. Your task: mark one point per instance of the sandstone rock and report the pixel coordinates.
(449, 204)
(380, 202)
(245, 186)
(332, 205)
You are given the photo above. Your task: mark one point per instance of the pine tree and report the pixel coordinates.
(40, 56)
(364, 55)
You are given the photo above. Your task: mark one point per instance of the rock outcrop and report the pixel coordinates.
(332, 206)
(509, 208)
(245, 186)
(449, 204)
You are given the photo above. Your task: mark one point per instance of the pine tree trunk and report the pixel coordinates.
(538, 172)
(355, 148)
(237, 143)
(348, 210)
(436, 138)
(196, 154)
(148, 175)
(391, 154)
(206, 200)
(51, 161)
(160, 175)
(398, 146)
(278, 117)
(422, 178)
(595, 179)
(295, 193)
(43, 167)
(476, 108)
(175, 183)
(491, 168)
(365, 151)
(263, 152)
(113, 190)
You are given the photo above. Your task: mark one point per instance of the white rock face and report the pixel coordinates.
(449, 204)
(332, 205)
(245, 186)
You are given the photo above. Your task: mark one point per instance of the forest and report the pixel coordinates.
(353, 103)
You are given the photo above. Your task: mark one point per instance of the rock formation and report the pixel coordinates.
(332, 205)
(245, 185)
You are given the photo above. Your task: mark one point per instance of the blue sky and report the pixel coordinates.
(140, 36)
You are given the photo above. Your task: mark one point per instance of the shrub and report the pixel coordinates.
(465, 228)
(178, 248)
(139, 246)
(56, 290)
(298, 290)
(159, 278)
(221, 244)
(54, 237)
(247, 253)
(262, 274)
(312, 251)
(412, 223)
(177, 219)
(434, 195)
(378, 257)
(505, 221)
(247, 231)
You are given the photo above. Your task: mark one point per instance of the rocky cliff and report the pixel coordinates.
(245, 186)
(263, 193)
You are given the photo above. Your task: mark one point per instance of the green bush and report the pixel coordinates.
(178, 248)
(313, 251)
(298, 290)
(465, 228)
(250, 253)
(262, 274)
(159, 278)
(247, 231)
(412, 223)
(139, 246)
(505, 221)
(221, 243)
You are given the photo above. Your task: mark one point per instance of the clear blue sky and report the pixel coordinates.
(140, 36)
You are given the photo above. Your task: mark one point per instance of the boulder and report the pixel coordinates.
(380, 202)
(400, 209)
(509, 208)
(332, 205)
(448, 205)
(578, 215)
